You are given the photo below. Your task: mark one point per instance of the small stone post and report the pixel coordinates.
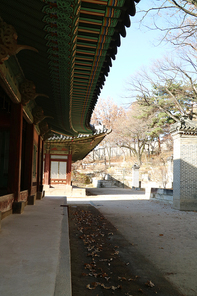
(184, 136)
(135, 176)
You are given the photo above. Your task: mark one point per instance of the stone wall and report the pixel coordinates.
(162, 194)
(185, 172)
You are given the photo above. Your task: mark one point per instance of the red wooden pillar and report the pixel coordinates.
(69, 164)
(39, 168)
(29, 146)
(47, 169)
(42, 158)
(14, 171)
(39, 163)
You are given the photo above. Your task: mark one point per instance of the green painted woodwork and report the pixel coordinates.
(76, 40)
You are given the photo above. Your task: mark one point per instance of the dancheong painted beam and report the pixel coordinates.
(55, 56)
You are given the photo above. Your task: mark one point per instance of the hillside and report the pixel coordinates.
(155, 170)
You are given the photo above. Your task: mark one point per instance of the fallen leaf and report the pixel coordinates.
(116, 253)
(149, 284)
(104, 274)
(121, 278)
(88, 287)
(107, 288)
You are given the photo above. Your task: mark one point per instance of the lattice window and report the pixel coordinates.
(58, 169)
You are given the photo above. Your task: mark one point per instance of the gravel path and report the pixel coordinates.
(164, 236)
(104, 263)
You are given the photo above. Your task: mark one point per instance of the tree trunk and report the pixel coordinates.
(159, 145)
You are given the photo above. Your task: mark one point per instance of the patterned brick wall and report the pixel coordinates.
(185, 171)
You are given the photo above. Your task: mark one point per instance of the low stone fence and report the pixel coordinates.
(109, 182)
(162, 194)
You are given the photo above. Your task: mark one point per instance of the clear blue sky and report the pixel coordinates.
(136, 50)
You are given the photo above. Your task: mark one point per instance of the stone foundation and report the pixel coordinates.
(31, 200)
(39, 195)
(18, 207)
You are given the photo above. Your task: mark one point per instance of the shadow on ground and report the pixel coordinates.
(105, 263)
(113, 191)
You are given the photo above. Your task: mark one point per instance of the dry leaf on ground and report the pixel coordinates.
(150, 284)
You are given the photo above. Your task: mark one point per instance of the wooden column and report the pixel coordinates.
(29, 158)
(47, 169)
(39, 163)
(39, 169)
(42, 158)
(14, 171)
(69, 164)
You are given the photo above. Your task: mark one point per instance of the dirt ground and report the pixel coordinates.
(104, 263)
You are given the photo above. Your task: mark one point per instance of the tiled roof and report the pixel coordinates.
(101, 130)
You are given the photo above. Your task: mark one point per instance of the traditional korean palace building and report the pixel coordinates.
(61, 151)
(55, 56)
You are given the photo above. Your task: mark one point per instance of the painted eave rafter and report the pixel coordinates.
(76, 42)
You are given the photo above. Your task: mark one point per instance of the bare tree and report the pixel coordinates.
(169, 87)
(107, 113)
(133, 131)
(176, 19)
